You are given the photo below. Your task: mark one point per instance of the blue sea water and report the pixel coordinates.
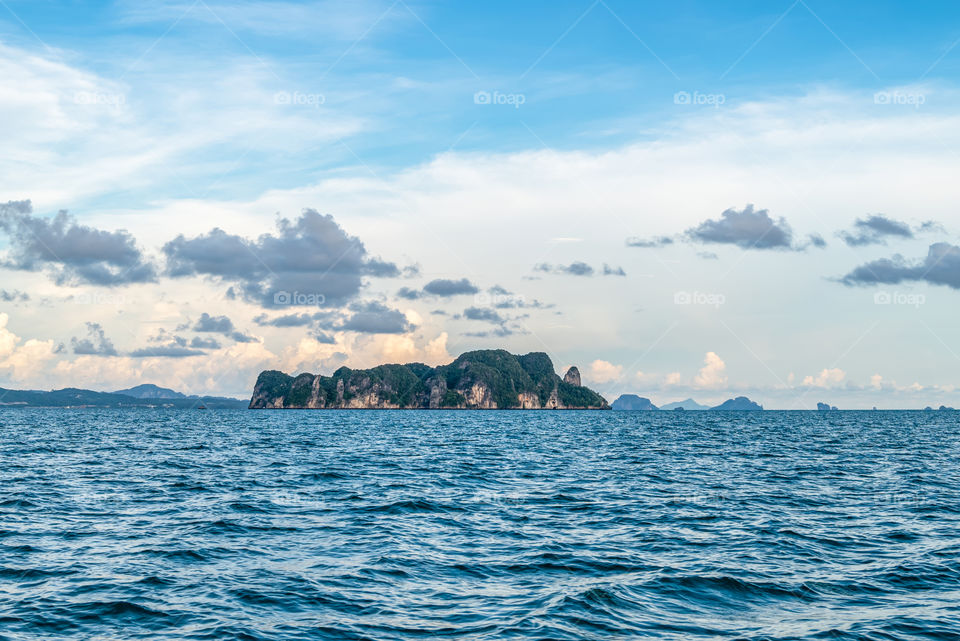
(160, 524)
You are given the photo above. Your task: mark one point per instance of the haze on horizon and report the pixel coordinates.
(685, 201)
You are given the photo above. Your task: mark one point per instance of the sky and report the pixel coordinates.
(685, 199)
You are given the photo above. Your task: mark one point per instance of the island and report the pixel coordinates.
(141, 396)
(633, 403)
(688, 404)
(483, 379)
(738, 404)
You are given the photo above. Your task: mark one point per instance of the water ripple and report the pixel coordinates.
(153, 524)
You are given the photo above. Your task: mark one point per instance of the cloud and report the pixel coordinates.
(816, 240)
(376, 318)
(96, 343)
(409, 294)
(874, 230)
(747, 229)
(673, 379)
(659, 241)
(166, 351)
(308, 262)
(826, 378)
(482, 314)
(446, 288)
(13, 296)
(577, 268)
(613, 271)
(217, 324)
(204, 343)
(23, 360)
(220, 325)
(302, 319)
(712, 374)
(72, 253)
(940, 267)
(604, 371)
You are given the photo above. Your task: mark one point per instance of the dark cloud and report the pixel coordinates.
(308, 262)
(613, 271)
(409, 294)
(747, 229)
(576, 268)
(221, 325)
(13, 296)
(71, 253)
(874, 230)
(482, 314)
(375, 318)
(166, 351)
(659, 241)
(941, 266)
(96, 343)
(445, 288)
(498, 332)
(816, 240)
(206, 342)
(214, 324)
(325, 338)
(440, 288)
(931, 226)
(296, 320)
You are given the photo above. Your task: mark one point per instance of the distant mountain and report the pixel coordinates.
(632, 402)
(484, 379)
(73, 397)
(738, 404)
(148, 390)
(688, 404)
(825, 407)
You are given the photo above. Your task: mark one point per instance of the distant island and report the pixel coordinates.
(688, 404)
(483, 379)
(140, 396)
(632, 402)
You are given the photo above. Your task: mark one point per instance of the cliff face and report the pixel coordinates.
(485, 379)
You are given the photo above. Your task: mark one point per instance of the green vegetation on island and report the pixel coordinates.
(483, 379)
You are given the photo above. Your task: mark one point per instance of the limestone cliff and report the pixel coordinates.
(485, 379)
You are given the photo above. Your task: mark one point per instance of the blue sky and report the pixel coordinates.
(501, 144)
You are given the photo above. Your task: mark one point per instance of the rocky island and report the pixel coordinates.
(484, 379)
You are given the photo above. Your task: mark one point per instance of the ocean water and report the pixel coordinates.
(153, 524)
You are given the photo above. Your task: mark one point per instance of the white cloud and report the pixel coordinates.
(826, 378)
(23, 360)
(604, 371)
(711, 375)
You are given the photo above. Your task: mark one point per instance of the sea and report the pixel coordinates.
(270, 525)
